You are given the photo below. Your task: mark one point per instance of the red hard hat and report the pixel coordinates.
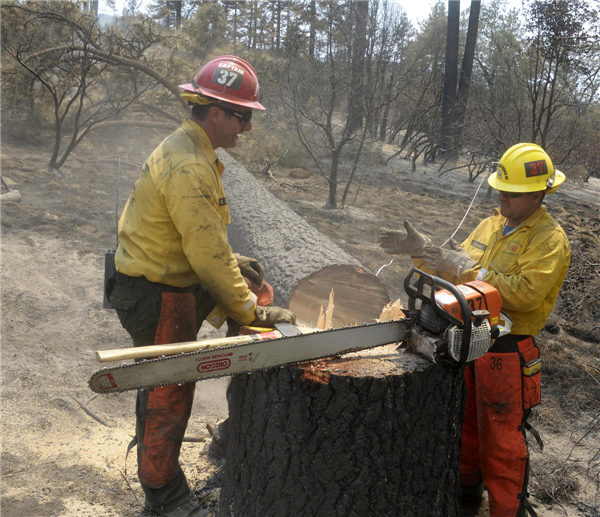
(227, 78)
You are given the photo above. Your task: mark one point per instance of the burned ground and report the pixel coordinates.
(63, 450)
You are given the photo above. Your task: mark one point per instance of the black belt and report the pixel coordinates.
(144, 283)
(508, 343)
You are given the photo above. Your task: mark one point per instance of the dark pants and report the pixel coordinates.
(154, 317)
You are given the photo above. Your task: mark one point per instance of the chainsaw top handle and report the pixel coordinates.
(417, 290)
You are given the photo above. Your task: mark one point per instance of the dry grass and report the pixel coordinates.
(578, 307)
(554, 482)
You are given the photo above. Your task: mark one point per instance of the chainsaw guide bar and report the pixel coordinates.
(229, 360)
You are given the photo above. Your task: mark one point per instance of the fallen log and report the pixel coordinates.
(301, 264)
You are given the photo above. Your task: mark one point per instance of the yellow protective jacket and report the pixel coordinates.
(173, 228)
(527, 266)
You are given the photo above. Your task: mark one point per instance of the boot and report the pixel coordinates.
(187, 509)
(471, 494)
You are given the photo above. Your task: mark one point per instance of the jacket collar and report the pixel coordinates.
(530, 221)
(201, 140)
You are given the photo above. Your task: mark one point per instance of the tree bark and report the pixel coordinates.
(301, 264)
(313, 29)
(450, 78)
(347, 437)
(358, 51)
(279, 8)
(466, 72)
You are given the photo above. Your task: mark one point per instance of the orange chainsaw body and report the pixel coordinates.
(480, 296)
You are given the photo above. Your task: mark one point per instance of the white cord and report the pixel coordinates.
(457, 228)
(466, 213)
(385, 265)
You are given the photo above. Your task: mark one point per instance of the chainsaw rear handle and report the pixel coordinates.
(436, 284)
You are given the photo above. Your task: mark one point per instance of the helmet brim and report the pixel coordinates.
(248, 104)
(493, 182)
(559, 179)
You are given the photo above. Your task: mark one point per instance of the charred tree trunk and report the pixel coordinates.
(371, 437)
(450, 79)
(358, 51)
(278, 8)
(312, 38)
(301, 264)
(464, 84)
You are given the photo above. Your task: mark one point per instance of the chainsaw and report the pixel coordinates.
(444, 323)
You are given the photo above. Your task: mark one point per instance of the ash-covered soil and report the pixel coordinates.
(63, 448)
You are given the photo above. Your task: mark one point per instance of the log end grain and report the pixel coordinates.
(359, 296)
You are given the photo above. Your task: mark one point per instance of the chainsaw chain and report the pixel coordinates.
(189, 354)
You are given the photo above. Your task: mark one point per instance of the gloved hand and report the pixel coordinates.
(455, 246)
(250, 268)
(268, 316)
(453, 261)
(404, 242)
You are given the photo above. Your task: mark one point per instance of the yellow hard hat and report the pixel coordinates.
(526, 168)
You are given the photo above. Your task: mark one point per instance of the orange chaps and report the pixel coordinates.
(500, 395)
(163, 413)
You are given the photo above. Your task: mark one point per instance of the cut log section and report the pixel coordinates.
(375, 435)
(301, 264)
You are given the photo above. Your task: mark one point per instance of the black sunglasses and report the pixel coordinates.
(511, 195)
(244, 118)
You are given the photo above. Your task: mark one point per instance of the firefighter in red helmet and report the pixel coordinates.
(175, 267)
(227, 79)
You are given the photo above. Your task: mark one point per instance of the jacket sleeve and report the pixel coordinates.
(193, 203)
(536, 271)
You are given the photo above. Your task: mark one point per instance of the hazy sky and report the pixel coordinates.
(415, 9)
(418, 9)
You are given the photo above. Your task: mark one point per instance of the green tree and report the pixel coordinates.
(536, 82)
(72, 61)
(560, 69)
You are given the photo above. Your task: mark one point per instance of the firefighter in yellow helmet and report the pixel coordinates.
(523, 252)
(175, 267)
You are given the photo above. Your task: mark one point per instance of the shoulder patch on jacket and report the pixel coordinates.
(478, 245)
(222, 201)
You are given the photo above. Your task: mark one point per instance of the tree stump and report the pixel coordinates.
(301, 264)
(374, 435)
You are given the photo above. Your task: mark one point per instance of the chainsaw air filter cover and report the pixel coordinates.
(481, 341)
